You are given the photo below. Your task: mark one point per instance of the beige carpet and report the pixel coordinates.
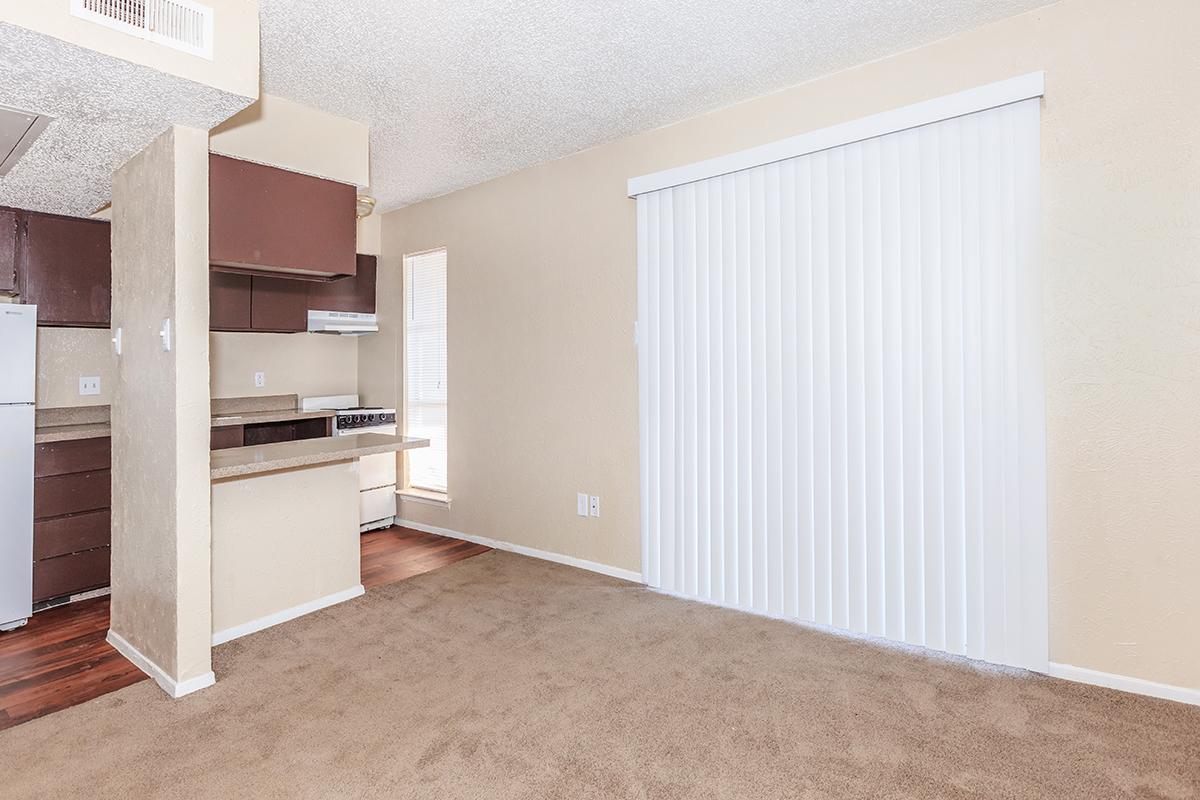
(505, 677)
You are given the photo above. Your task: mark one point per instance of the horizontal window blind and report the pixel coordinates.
(425, 367)
(841, 398)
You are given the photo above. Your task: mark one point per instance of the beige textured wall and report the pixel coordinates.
(543, 390)
(281, 539)
(297, 363)
(292, 136)
(306, 364)
(161, 601)
(234, 67)
(64, 355)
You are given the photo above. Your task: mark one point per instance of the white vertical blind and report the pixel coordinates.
(841, 391)
(425, 367)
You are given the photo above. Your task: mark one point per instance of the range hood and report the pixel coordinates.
(344, 323)
(18, 129)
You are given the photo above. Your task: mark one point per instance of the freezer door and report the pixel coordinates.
(18, 348)
(16, 514)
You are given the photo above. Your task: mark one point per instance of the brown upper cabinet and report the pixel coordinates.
(265, 220)
(228, 301)
(278, 304)
(257, 303)
(8, 251)
(64, 267)
(356, 293)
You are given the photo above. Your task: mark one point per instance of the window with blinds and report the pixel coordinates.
(425, 367)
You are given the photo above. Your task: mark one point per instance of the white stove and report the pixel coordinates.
(376, 474)
(361, 419)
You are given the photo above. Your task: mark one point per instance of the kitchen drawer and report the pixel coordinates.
(63, 458)
(376, 504)
(70, 494)
(73, 534)
(268, 433)
(225, 436)
(66, 575)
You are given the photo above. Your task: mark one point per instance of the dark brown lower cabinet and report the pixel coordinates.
(71, 574)
(71, 507)
(73, 533)
(225, 437)
(272, 432)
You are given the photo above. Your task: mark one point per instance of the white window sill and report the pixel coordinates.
(425, 497)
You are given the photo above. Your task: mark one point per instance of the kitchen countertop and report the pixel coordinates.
(241, 461)
(66, 433)
(255, 417)
(67, 424)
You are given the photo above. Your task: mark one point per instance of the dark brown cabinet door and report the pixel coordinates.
(225, 436)
(228, 301)
(356, 293)
(8, 251)
(70, 574)
(278, 304)
(65, 268)
(72, 493)
(264, 217)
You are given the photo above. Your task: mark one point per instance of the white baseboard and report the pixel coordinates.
(1124, 683)
(545, 555)
(168, 684)
(270, 620)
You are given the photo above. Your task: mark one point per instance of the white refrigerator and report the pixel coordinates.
(18, 348)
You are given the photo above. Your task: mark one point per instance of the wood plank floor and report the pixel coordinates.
(60, 659)
(393, 554)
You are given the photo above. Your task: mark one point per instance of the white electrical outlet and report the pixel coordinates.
(89, 384)
(595, 506)
(260, 379)
(581, 504)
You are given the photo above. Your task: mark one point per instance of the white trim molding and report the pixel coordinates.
(545, 555)
(271, 620)
(1124, 683)
(172, 687)
(970, 101)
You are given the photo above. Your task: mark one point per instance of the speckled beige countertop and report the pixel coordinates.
(255, 417)
(66, 424)
(241, 461)
(92, 422)
(66, 433)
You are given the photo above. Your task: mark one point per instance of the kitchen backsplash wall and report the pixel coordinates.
(64, 355)
(300, 363)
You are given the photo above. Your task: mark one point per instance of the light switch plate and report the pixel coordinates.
(581, 504)
(89, 385)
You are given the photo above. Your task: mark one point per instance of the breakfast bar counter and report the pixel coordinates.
(285, 528)
(239, 461)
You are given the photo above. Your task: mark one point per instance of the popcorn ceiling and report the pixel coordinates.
(457, 93)
(105, 111)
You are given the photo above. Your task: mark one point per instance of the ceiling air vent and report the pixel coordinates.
(180, 24)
